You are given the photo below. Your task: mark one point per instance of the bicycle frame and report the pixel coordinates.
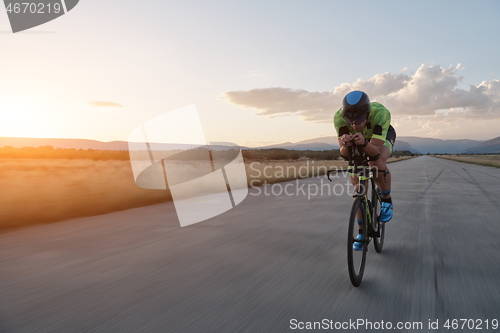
(358, 166)
(370, 225)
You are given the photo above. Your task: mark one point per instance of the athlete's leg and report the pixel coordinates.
(383, 182)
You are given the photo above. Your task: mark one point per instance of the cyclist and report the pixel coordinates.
(368, 125)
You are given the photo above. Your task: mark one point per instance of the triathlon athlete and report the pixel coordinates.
(368, 125)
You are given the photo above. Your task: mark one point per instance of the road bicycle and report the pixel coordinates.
(365, 209)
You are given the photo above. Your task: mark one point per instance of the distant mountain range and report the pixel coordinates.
(486, 147)
(413, 144)
(63, 143)
(330, 142)
(433, 146)
(91, 144)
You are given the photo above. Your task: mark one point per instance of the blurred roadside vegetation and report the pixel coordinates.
(44, 184)
(49, 152)
(275, 154)
(285, 154)
(320, 155)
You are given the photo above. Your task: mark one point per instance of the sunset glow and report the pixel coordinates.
(72, 79)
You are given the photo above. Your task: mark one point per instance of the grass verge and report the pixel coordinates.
(486, 160)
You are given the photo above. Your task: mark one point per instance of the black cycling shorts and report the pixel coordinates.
(390, 138)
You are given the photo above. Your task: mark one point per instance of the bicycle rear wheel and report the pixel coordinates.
(378, 242)
(356, 259)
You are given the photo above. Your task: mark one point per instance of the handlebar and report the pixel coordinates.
(358, 159)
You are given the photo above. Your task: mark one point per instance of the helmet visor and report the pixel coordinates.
(358, 120)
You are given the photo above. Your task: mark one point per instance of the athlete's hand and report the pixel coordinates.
(358, 139)
(345, 140)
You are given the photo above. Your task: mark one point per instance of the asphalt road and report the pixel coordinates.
(270, 260)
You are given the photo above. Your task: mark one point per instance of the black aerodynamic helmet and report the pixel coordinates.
(356, 106)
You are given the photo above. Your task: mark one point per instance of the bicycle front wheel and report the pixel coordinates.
(378, 242)
(356, 258)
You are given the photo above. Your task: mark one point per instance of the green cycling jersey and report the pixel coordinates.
(377, 124)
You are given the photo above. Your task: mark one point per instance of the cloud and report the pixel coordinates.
(100, 104)
(282, 101)
(425, 93)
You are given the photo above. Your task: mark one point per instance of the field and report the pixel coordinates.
(37, 190)
(46, 190)
(486, 160)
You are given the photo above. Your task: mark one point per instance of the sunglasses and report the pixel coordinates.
(357, 120)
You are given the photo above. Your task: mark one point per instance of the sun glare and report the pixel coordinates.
(24, 119)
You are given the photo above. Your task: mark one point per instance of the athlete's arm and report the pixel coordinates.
(373, 146)
(344, 137)
(345, 141)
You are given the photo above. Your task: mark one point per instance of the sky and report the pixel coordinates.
(258, 72)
